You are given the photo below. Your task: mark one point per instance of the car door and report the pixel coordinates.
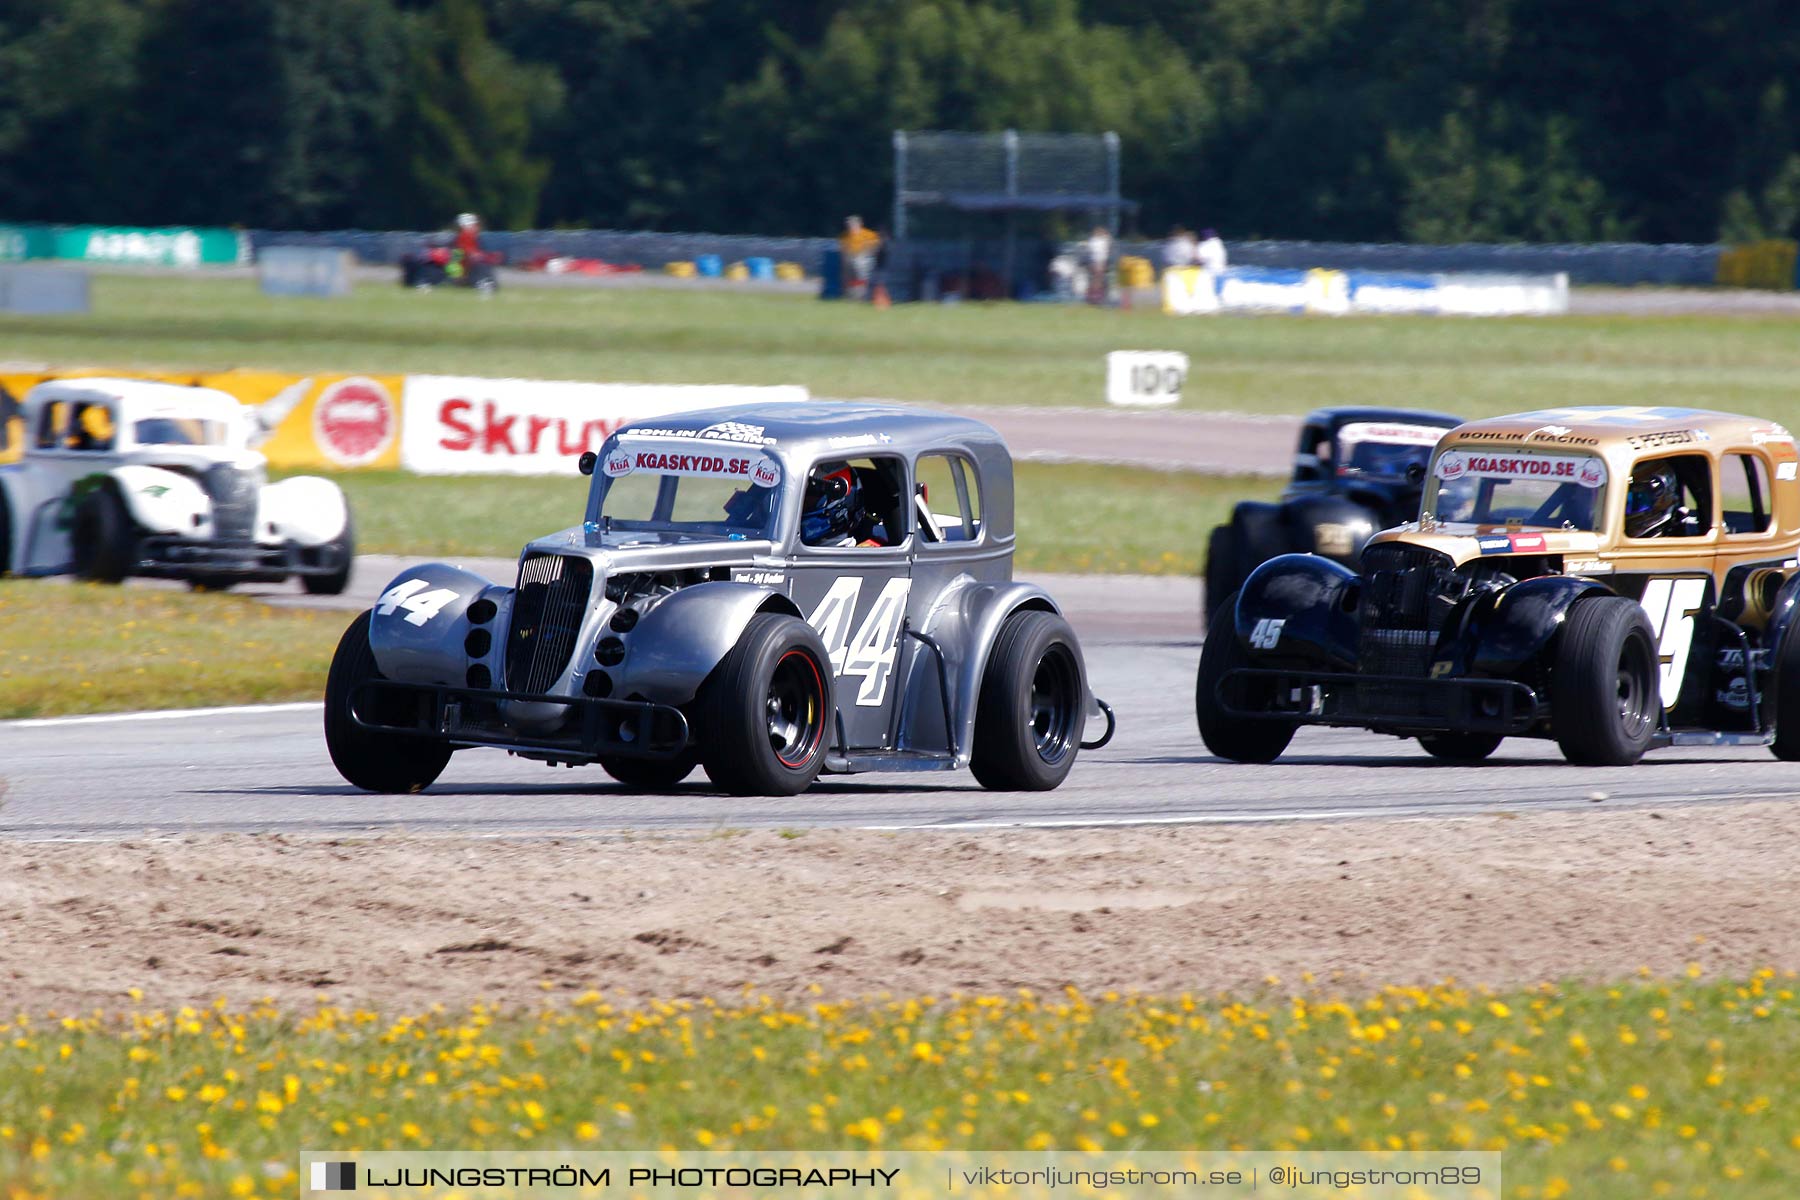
(856, 597)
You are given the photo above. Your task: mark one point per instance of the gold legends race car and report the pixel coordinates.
(1616, 579)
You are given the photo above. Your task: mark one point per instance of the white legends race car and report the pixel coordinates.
(129, 477)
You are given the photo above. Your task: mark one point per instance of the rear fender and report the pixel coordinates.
(963, 623)
(1300, 608)
(1506, 631)
(1781, 615)
(420, 626)
(164, 501)
(677, 643)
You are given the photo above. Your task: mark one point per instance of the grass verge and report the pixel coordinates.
(942, 354)
(80, 648)
(1599, 1092)
(1069, 518)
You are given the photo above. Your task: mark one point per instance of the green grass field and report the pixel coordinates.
(81, 648)
(1619, 1092)
(957, 354)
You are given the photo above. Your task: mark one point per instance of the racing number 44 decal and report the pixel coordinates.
(1672, 605)
(420, 605)
(869, 652)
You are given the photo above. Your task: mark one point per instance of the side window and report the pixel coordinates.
(91, 427)
(51, 423)
(1312, 457)
(1744, 493)
(947, 499)
(1669, 497)
(855, 503)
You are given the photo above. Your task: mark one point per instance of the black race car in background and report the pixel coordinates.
(1356, 471)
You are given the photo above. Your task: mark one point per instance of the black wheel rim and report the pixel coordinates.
(796, 709)
(1633, 687)
(1055, 706)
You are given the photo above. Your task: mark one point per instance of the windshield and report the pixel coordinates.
(689, 488)
(178, 431)
(1384, 451)
(1548, 491)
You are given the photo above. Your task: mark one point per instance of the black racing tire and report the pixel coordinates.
(651, 774)
(1224, 570)
(335, 583)
(5, 536)
(765, 713)
(1032, 705)
(1465, 748)
(1786, 686)
(371, 760)
(103, 536)
(1238, 739)
(1604, 697)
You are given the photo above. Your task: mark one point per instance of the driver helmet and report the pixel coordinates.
(467, 220)
(1650, 500)
(833, 505)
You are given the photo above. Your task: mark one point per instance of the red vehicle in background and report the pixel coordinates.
(453, 260)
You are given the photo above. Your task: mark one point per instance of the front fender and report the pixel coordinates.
(164, 501)
(677, 643)
(305, 509)
(1507, 632)
(1300, 608)
(1332, 526)
(420, 627)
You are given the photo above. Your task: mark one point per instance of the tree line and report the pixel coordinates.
(1418, 120)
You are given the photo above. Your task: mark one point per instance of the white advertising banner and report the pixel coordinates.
(461, 425)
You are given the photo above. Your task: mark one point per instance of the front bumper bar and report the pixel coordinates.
(1389, 702)
(171, 557)
(590, 728)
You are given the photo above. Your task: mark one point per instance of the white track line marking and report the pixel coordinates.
(167, 714)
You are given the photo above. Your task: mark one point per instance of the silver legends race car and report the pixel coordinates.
(767, 592)
(123, 477)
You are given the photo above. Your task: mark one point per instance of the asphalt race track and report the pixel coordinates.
(265, 769)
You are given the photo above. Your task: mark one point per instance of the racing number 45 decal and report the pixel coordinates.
(869, 652)
(1672, 605)
(420, 605)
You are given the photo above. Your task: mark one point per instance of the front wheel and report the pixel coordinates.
(1786, 705)
(373, 760)
(1466, 748)
(103, 536)
(1604, 700)
(343, 548)
(1033, 701)
(1239, 739)
(765, 709)
(651, 774)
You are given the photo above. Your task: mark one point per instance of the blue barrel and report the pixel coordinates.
(831, 274)
(709, 265)
(760, 267)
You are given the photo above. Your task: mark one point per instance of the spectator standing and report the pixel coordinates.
(1179, 250)
(1097, 256)
(1211, 252)
(858, 245)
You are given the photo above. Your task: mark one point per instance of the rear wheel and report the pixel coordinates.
(1240, 739)
(1224, 574)
(5, 536)
(1460, 747)
(1603, 698)
(103, 536)
(371, 759)
(651, 775)
(765, 709)
(1029, 715)
(343, 548)
(1786, 686)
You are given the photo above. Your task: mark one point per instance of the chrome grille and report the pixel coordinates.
(546, 619)
(233, 494)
